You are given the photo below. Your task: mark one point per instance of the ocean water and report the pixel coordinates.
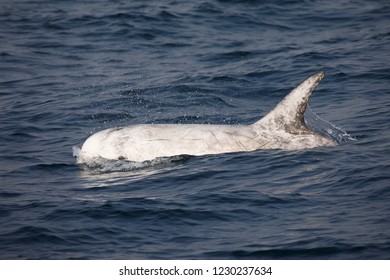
(71, 68)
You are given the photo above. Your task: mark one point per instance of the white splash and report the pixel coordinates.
(325, 127)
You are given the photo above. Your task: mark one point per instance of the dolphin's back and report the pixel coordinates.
(145, 142)
(282, 128)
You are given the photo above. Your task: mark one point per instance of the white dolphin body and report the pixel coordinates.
(282, 128)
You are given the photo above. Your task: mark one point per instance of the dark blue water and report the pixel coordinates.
(71, 68)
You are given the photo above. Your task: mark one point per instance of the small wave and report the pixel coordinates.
(102, 165)
(324, 127)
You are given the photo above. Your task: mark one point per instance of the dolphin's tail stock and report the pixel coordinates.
(288, 115)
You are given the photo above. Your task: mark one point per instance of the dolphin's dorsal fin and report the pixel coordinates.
(288, 115)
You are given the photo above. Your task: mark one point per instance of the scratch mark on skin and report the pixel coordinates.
(215, 137)
(241, 145)
(238, 143)
(184, 135)
(261, 144)
(231, 133)
(250, 139)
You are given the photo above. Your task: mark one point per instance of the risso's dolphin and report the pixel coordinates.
(282, 128)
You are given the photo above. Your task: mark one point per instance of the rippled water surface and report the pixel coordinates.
(71, 68)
